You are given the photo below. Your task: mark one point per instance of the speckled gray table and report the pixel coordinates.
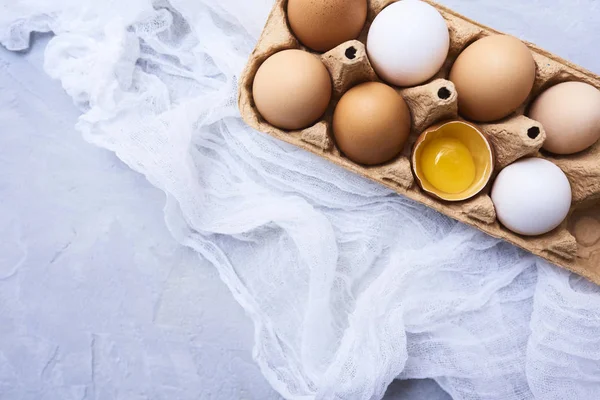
(97, 301)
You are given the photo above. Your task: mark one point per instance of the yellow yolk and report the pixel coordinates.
(448, 165)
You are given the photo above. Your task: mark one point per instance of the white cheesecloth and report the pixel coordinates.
(349, 285)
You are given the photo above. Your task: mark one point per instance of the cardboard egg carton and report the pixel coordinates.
(575, 245)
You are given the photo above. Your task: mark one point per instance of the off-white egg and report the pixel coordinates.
(408, 43)
(570, 114)
(532, 196)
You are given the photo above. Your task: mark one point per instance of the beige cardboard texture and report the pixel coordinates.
(575, 245)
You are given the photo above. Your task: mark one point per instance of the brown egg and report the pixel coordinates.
(570, 114)
(371, 123)
(292, 89)
(325, 24)
(493, 77)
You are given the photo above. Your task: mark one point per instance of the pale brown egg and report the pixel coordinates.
(292, 89)
(324, 24)
(570, 114)
(371, 123)
(493, 77)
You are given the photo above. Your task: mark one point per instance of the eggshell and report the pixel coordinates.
(493, 77)
(479, 146)
(292, 89)
(371, 123)
(325, 24)
(532, 196)
(408, 43)
(570, 114)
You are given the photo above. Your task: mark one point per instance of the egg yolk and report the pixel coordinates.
(448, 165)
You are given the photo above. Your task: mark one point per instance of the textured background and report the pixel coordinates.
(96, 298)
(97, 301)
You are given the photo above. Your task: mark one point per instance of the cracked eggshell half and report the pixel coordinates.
(440, 154)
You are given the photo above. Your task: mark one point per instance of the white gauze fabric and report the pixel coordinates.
(349, 285)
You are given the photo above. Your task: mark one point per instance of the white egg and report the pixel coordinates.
(408, 43)
(532, 196)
